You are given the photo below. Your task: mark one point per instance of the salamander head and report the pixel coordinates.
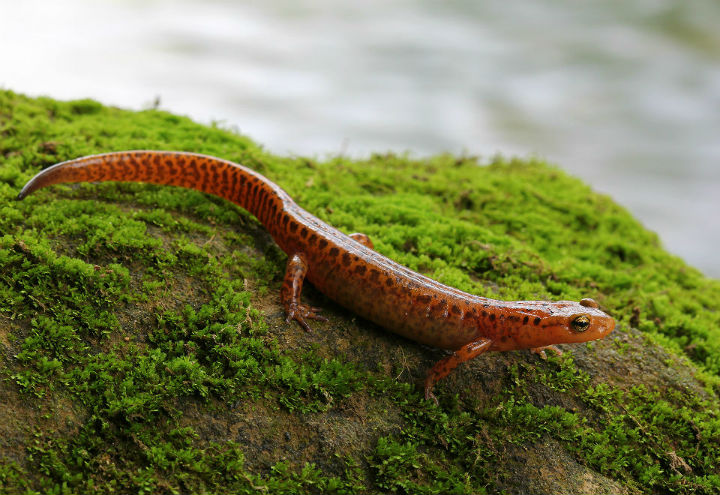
(578, 322)
(561, 322)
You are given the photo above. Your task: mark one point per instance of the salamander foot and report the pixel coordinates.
(541, 350)
(363, 239)
(299, 312)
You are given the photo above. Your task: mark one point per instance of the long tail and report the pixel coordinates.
(223, 178)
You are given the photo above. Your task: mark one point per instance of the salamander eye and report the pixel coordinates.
(580, 323)
(589, 303)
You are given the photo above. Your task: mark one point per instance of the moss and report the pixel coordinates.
(144, 350)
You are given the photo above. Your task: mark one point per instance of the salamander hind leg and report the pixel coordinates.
(363, 239)
(443, 367)
(291, 291)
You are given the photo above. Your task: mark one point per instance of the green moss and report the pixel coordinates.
(144, 350)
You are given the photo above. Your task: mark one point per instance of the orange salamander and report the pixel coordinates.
(348, 270)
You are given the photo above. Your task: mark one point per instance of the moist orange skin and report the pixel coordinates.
(347, 269)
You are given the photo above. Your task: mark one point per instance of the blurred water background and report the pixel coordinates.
(625, 95)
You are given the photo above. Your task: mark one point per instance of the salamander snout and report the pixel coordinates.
(588, 322)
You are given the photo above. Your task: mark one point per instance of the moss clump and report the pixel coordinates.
(144, 350)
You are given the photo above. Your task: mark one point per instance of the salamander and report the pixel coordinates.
(348, 270)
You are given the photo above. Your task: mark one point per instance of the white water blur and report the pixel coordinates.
(625, 95)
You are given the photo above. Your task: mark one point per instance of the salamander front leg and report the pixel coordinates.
(443, 367)
(540, 351)
(363, 239)
(290, 294)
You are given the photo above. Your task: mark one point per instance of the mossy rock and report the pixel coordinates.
(144, 349)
